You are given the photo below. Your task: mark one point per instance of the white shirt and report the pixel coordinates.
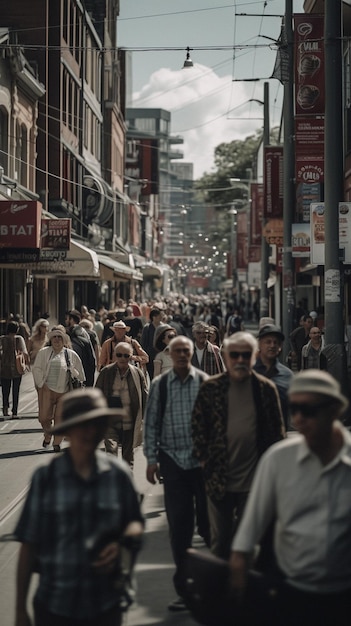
(312, 507)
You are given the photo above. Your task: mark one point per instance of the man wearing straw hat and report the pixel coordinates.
(80, 510)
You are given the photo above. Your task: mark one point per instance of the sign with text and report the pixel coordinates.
(309, 150)
(300, 240)
(273, 181)
(309, 64)
(20, 223)
(55, 234)
(317, 231)
(256, 213)
(242, 241)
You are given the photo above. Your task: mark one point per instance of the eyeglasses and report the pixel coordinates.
(123, 354)
(236, 355)
(308, 410)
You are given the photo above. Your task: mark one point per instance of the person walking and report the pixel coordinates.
(168, 450)
(123, 380)
(147, 338)
(11, 344)
(51, 370)
(80, 515)
(270, 341)
(82, 345)
(236, 417)
(163, 361)
(312, 356)
(207, 356)
(298, 338)
(108, 352)
(303, 487)
(38, 338)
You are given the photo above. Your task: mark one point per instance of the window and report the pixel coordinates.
(4, 139)
(147, 125)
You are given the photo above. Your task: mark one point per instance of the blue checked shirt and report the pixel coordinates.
(172, 433)
(61, 515)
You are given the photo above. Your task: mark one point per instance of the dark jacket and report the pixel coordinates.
(209, 426)
(81, 344)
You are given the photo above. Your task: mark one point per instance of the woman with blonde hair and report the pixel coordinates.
(38, 338)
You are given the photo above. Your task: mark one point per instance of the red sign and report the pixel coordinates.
(309, 64)
(256, 213)
(273, 181)
(309, 150)
(242, 241)
(20, 224)
(254, 254)
(55, 234)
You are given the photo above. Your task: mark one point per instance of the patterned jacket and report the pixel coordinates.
(211, 362)
(209, 426)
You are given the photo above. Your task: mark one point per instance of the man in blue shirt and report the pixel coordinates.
(270, 341)
(80, 510)
(168, 449)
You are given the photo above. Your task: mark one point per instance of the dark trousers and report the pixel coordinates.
(300, 608)
(43, 617)
(183, 490)
(117, 436)
(6, 388)
(225, 515)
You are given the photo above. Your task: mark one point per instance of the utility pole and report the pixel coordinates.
(334, 178)
(264, 244)
(289, 188)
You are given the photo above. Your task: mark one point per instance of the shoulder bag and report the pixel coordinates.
(73, 383)
(20, 361)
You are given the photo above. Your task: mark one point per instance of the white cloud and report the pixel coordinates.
(202, 106)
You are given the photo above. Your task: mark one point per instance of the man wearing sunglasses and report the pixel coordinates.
(303, 486)
(236, 417)
(127, 382)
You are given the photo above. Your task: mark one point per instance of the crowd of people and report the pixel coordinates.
(213, 405)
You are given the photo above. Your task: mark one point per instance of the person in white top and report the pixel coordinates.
(303, 486)
(51, 377)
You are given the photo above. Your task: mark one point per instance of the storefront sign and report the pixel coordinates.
(19, 224)
(55, 234)
(273, 232)
(317, 231)
(300, 240)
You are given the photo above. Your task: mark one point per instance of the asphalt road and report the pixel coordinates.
(20, 454)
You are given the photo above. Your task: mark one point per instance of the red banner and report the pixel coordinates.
(273, 181)
(256, 213)
(242, 241)
(309, 64)
(309, 150)
(55, 234)
(20, 224)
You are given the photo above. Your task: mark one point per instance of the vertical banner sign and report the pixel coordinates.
(242, 241)
(309, 64)
(256, 213)
(309, 150)
(273, 181)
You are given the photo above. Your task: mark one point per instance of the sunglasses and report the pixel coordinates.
(236, 355)
(308, 410)
(120, 354)
(170, 336)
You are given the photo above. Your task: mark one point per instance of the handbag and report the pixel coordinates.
(73, 383)
(20, 362)
(211, 601)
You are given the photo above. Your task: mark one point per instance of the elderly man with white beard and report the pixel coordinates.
(236, 417)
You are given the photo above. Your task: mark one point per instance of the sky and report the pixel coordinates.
(210, 103)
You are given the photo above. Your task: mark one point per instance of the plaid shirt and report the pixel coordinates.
(175, 438)
(62, 514)
(211, 362)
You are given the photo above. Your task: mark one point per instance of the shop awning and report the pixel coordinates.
(151, 270)
(111, 270)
